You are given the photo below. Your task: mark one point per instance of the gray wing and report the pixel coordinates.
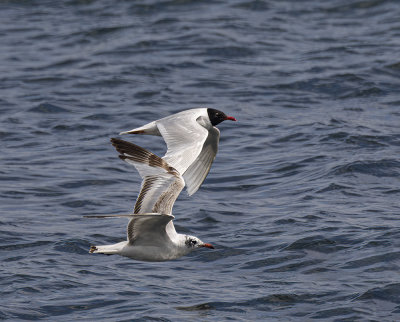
(161, 184)
(149, 229)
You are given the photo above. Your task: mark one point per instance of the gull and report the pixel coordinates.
(151, 234)
(192, 141)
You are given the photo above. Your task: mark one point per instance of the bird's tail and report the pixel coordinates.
(149, 129)
(107, 249)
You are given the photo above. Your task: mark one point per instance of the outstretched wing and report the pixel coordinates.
(161, 184)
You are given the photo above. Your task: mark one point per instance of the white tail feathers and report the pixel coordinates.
(149, 129)
(108, 249)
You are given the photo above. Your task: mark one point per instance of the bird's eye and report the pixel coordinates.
(191, 242)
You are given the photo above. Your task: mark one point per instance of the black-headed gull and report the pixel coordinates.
(151, 234)
(192, 141)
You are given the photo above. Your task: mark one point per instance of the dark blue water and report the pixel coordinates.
(303, 199)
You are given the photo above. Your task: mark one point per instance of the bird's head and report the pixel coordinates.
(217, 117)
(192, 243)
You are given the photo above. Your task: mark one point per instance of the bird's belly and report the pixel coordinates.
(149, 253)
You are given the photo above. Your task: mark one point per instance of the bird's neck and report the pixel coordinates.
(177, 239)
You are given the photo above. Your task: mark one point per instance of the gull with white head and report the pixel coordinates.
(151, 234)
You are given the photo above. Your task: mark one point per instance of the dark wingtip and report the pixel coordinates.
(114, 141)
(92, 249)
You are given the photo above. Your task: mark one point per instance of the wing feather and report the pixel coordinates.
(161, 184)
(191, 146)
(185, 139)
(198, 170)
(148, 229)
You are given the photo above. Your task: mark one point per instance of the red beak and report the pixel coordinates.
(230, 118)
(208, 246)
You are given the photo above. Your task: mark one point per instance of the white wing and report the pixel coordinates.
(191, 147)
(161, 184)
(198, 170)
(184, 137)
